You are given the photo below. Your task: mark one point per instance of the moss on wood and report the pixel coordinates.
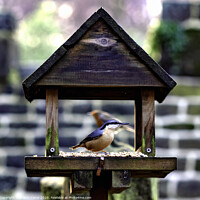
(51, 142)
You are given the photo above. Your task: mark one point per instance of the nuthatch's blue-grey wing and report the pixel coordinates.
(92, 136)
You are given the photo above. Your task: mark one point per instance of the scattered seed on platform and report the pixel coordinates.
(109, 154)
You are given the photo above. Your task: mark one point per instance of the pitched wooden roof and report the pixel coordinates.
(99, 61)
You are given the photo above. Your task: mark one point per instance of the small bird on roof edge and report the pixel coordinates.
(101, 137)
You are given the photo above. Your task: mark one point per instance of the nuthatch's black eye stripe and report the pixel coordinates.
(109, 122)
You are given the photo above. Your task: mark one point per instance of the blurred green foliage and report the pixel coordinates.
(181, 126)
(169, 35)
(183, 90)
(193, 109)
(39, 34)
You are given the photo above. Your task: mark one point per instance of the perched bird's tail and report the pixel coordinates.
(75, 147)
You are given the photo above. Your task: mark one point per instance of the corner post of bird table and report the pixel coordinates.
(144, 121)
(52, 139)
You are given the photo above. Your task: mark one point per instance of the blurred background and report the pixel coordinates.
(30, 31)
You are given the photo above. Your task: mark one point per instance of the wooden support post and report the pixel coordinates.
(145, 122)
(52, 139)
(138, 124)
(100, 186)
(120, 181)
(82, 181)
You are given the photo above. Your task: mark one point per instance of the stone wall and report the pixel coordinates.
(180, 36)
(22, 132)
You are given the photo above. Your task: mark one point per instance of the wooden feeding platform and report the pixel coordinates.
(100, 61)
(65, 166)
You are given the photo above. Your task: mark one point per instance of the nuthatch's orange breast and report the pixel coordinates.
(102, 142)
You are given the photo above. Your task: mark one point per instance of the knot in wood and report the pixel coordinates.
(104, 41)
(126, 174)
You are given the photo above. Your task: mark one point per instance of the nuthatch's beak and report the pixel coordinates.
(124, 124)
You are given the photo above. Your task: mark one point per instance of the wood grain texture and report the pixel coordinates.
(148, 113)
(120, 181)
(100, 48)
(103, 93)
(100, 186)
(81, 181)
(139, 167)
(109, 93)
(52, 139)
(144, 119)
(138, 125)
(100, 58)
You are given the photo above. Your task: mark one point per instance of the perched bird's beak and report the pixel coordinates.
(124, 124)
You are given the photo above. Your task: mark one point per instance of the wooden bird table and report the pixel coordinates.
(115, 173)
(100, 61)
(65, 166)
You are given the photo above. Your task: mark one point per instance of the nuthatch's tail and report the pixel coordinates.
(75, 147)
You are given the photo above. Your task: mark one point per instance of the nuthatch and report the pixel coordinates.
(101, 137)
(116, 146)
(101, 117)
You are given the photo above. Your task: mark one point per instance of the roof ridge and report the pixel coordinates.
(153, 66)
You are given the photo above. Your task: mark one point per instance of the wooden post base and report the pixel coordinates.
(100, 186)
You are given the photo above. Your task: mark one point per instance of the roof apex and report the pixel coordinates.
(61, 51)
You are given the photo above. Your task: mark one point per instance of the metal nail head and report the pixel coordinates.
(148, 150)
(52, 149)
